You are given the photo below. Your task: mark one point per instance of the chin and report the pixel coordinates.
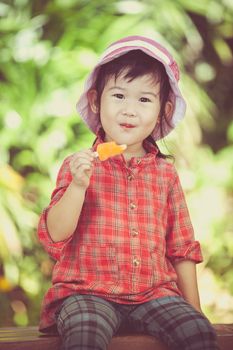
(121, 141)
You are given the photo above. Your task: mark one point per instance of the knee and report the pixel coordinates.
(199, 334)
(88, 331)
(84, 321)
(202, 326)
(85, 325)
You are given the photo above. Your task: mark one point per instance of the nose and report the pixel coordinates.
(129, 110)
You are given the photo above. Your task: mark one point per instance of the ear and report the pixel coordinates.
(92, 99)
(169, 110)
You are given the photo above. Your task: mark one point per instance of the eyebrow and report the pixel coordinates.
(142, 92)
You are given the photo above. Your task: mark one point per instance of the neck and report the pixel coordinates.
(130, 153)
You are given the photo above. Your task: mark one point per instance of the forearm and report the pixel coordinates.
(187, 282)
(63, 217)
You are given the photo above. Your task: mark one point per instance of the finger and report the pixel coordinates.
(83, 171)
(90, 152)
(82, 156)
(80, 164)
(87, 152)
(76, 163)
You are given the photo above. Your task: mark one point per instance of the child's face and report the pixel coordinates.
(129, 110)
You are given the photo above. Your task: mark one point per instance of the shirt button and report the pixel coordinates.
(134, 232)
(138, 161)
(130, 177)
(132, 206)
(136, 262)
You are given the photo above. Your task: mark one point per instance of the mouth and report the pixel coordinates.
(127, 126)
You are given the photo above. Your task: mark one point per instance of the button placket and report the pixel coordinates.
(133, 232)
(130, 177)
(136, 262)
(132, 205)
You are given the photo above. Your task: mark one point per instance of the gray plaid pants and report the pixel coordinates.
(87, 322)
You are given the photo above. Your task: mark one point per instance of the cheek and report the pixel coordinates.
(104, 106)
(150, 127)
(150, 124)
(151, 116)
(104, 115)
(103, 112)
(107, 111)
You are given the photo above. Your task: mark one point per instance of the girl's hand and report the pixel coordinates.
(81, 167)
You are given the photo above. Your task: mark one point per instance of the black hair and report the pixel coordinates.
(134, 64)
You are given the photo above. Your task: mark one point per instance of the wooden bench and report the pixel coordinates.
(28, 338)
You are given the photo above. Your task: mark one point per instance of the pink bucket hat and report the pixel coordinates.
(153, 49)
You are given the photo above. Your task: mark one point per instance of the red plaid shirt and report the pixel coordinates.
(134, 224)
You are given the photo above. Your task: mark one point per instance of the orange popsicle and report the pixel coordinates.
(109, 149)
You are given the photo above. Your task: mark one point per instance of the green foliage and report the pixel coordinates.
(47, 48)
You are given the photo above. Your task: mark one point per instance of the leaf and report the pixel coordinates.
(8, 235)
(10, 179)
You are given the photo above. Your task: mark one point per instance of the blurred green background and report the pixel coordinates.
(47, 47)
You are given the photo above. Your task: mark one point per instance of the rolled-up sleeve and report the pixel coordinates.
(180, 241)
(63, 180)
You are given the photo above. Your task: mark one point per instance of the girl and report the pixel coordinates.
(119, 229)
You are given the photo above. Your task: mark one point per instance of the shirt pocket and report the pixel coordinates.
(98, 261)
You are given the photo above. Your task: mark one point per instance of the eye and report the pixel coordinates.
(119, 96)
(144, 99)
